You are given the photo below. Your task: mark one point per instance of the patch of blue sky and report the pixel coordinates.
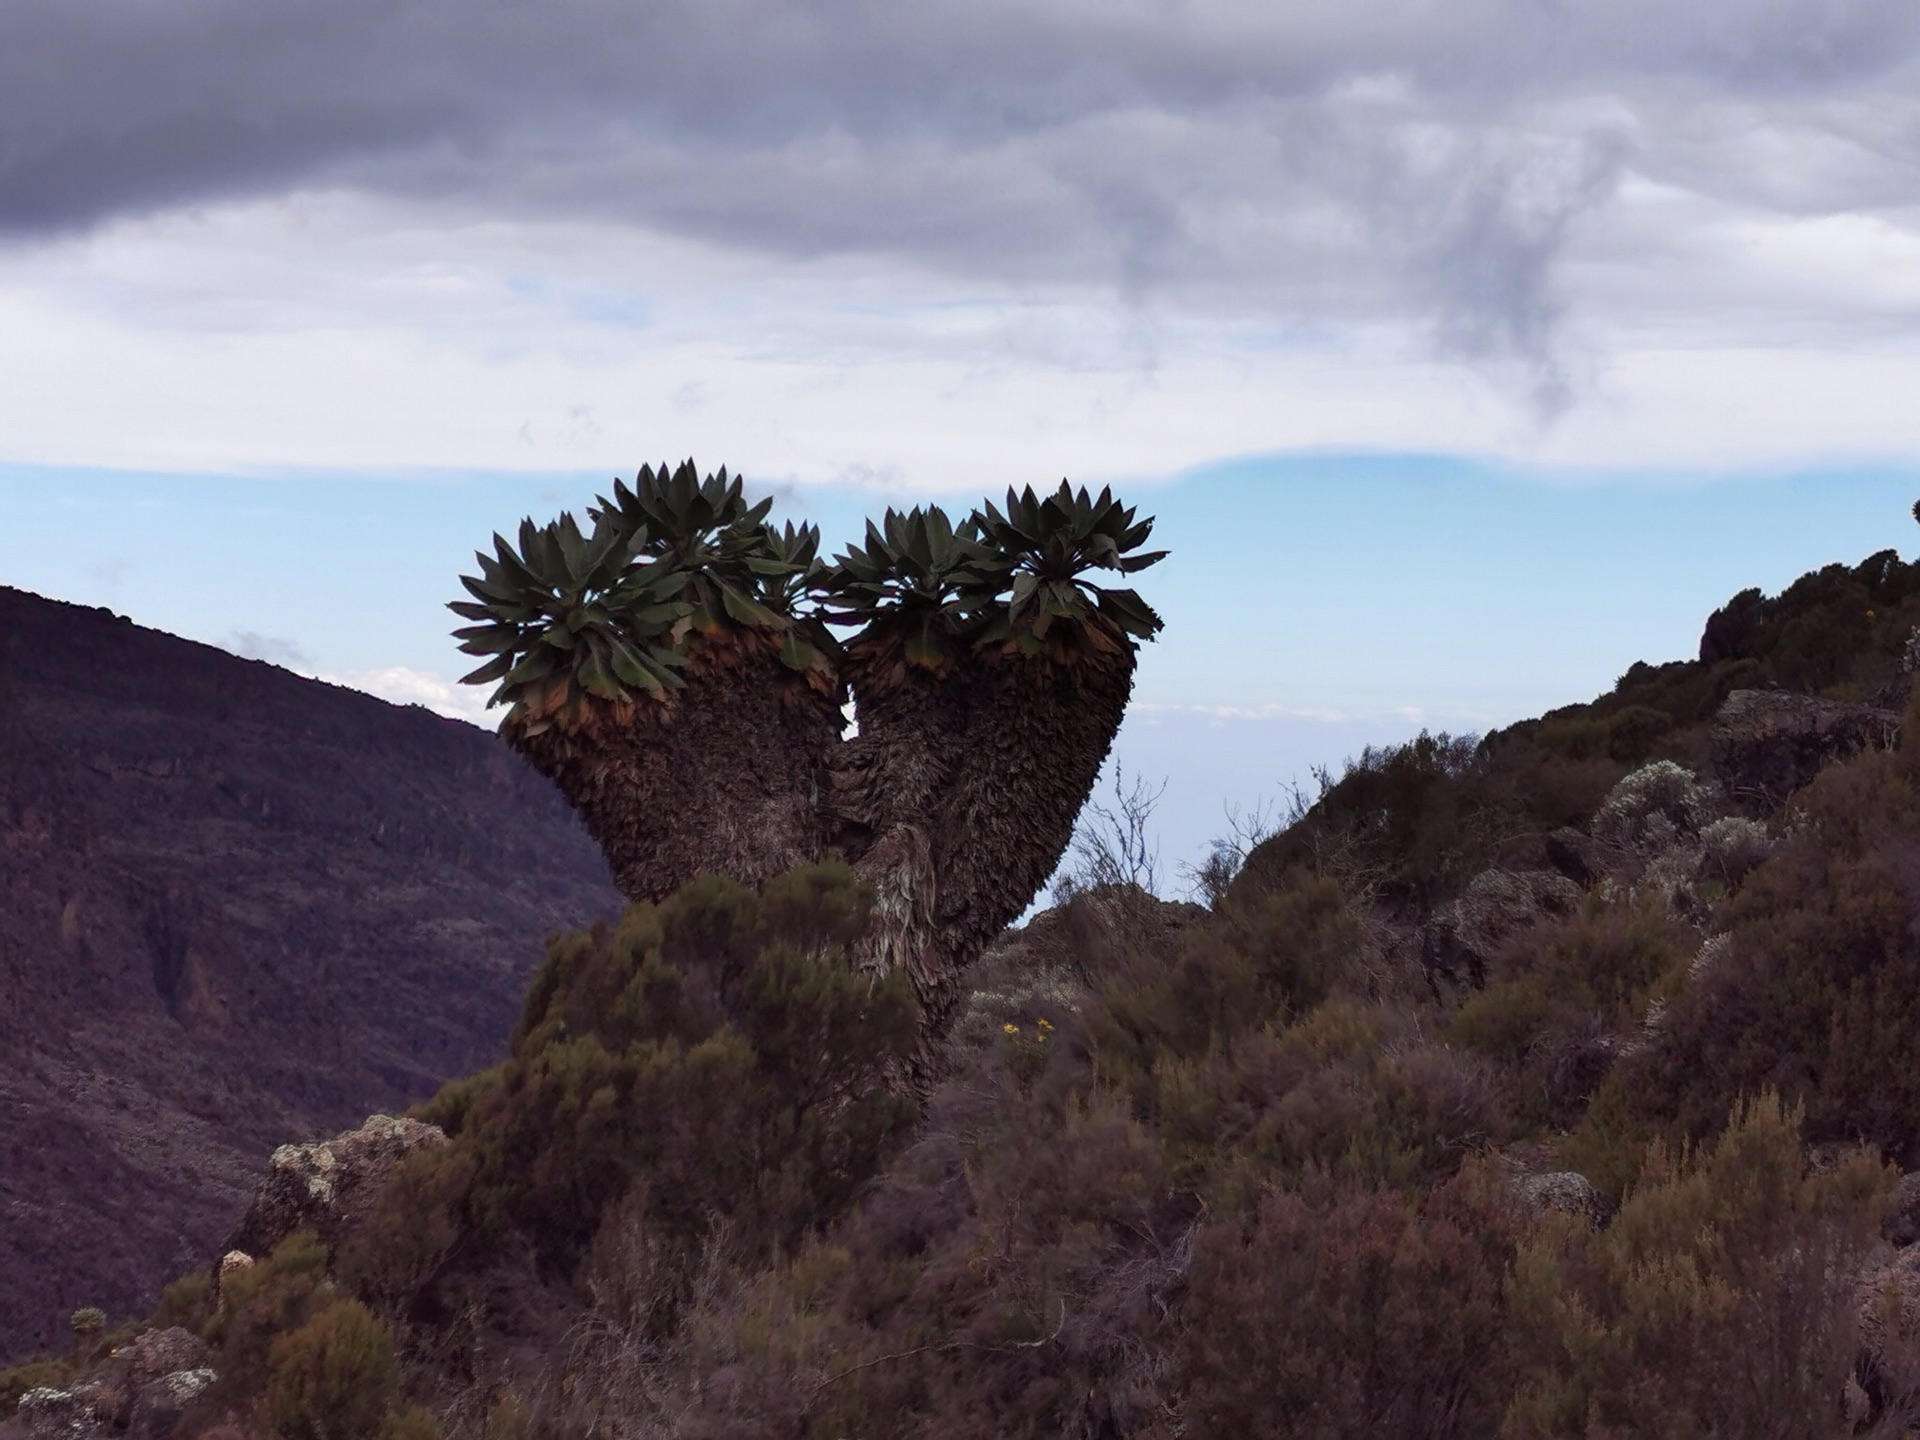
(1314, 604)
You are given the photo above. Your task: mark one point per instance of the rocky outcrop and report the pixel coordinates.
(1576, 855)
(326, 1187)
(139, 1392)
(1768, 743)
(1464, 936)
(1563, 1192)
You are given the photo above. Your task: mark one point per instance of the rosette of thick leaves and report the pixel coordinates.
(740, 570)
(787, 568)
(566, 618)
(908, 584)
(1041, 552)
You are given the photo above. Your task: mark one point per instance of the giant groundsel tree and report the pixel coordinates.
(671, 667)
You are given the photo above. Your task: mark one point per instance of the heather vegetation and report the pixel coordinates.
(1552, 1084)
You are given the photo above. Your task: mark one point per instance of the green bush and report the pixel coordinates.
(186, 1302)
(1835, 629)
(1720, 1301)
(89, 1323)
(1263, 962)
(31, 1375)
(260, 1303)
(333, 1377)
(715, 1055)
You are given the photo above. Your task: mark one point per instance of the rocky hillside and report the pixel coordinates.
(237, 907)
(1556, 1085)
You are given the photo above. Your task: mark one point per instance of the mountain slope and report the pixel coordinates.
(237, 907)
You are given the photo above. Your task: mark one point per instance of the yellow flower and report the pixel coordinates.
(1046, 1024)
(1011, 1028)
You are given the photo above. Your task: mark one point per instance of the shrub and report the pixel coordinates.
(714, 1055)
(1721, 1301)
(186, 1302)
(262, 1302)
(1265, 961)
(1817, 991)
(1354, 1313)
(32, 1375)
(1652, 809)
(333, 1377)
(410, 1422)
(89, 1323)
(1838, 628)
(1552, 1017)
(413, 1227)
(1632, 732)
(1733, 847)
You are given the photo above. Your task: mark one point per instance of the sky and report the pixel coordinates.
(1467, 353)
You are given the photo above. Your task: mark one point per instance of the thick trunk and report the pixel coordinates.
(1037, 735)
(955, 801)
(887, 787)
(959, 797)
(725, 777)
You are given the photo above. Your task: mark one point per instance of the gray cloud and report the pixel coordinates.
(1374, 160)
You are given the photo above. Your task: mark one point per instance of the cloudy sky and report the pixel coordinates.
(1468, 351)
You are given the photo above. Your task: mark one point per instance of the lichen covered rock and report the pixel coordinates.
(1563, 1192)
(49, 1414)
(327, 1186)
(1498, 905)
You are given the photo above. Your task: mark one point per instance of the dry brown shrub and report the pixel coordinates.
(1353, 1313)
(1722, 1300)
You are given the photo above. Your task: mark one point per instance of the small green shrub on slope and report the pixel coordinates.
(1815, 990)
(1722, 1300)
(713, 1056)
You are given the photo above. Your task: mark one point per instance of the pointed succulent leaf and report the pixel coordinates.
(1126, 609)
(486, 639)
(494, 669)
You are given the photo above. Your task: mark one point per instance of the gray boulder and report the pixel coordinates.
(1498, 905)
(1768, 743)
(329, 1186)
(139, 1392)
(1576, 855)
(50, 1414)
(167, 1371)
(1563, 1192)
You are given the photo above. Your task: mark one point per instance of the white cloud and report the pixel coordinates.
(402, 686)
